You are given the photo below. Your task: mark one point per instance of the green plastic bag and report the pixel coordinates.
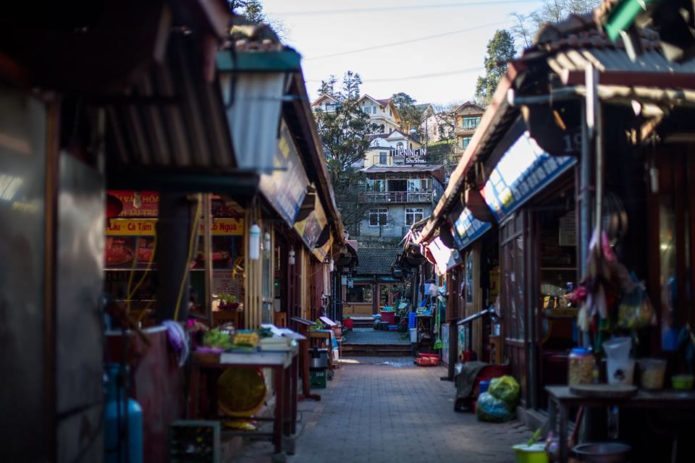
(492, 409)
(506, 389)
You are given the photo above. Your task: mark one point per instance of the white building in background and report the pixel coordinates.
(382, 113)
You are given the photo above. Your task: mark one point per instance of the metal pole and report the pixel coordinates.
(584, 196)
(207, 253)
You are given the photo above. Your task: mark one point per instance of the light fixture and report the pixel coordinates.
(331, 265)
(254, 242)
(253, 86)
(266, 243)
(290, 260)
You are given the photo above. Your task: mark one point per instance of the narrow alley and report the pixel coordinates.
(386, 409)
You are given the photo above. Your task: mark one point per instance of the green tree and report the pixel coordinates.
(343, 135)
(551, 11)
(252, 11)
(500, 50)
(410, 115)
(327, 87)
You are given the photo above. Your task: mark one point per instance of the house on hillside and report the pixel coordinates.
(325, 103)
(397, 195)
(382, 113)
(392, 148)
(467, 119)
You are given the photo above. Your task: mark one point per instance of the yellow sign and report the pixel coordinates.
(146, 227)
(131, 227)
(226, 227)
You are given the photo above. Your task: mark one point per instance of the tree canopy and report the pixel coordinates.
(344, 138)
(550, 11)
(500, 50)
(410, 114)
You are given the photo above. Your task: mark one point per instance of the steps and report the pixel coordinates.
(377, 350)
(362, 322)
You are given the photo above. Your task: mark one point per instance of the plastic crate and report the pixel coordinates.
(319, 378)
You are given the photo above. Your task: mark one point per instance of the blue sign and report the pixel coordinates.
(525, 169)
(468, 229)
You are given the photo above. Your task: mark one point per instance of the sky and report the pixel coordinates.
(436, 47)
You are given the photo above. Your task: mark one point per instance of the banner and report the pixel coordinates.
(286, 186)
(468, 229)
(524, 170)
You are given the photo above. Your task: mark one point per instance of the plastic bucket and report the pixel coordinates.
(413, 335)
(484, 385)
(531, 453)
(652, 373)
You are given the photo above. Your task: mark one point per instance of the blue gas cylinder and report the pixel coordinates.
(123, 441)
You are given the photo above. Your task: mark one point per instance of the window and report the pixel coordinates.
(373, 109)
(417, 185)
(360, 293)
(465, 142)
(378, 217)
(398, 185)
(471, 122)
(383, 157)
(413, 215)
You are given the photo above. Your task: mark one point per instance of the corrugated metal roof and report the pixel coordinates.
(173, 119)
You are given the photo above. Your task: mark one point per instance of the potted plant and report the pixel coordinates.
(228, 302)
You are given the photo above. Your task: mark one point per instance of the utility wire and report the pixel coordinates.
(393, 8)
(415, 77)
(403, 42)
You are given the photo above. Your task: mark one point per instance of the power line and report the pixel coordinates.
(418, 76)
(393, 8)
(403, 42)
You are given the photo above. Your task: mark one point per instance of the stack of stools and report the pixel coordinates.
(318, 367)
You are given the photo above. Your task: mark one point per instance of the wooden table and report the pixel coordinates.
(561, 399)
(284, 368)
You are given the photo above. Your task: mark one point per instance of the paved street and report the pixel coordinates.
(389, 410)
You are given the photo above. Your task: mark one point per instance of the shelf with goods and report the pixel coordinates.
(131, 275)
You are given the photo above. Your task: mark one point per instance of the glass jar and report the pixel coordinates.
(581, 366)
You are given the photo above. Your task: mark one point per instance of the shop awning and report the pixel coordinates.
(524, 170)
(468, 229)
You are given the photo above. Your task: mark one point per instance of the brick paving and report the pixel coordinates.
(372, 336)
(382, 410)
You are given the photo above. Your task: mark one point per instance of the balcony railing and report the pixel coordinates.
(395, 197)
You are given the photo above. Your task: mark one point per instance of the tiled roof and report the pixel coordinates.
(376, 261)
(573, 44)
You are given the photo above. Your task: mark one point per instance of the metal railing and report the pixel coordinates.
(395, 197)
